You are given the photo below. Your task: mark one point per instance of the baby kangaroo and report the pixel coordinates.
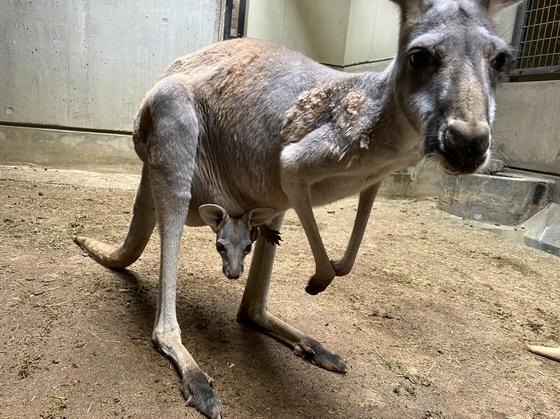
(235, 236)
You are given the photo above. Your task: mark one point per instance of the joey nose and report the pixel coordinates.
(465, 145)
(233, 273)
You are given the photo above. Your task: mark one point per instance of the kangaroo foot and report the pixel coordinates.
(303, 346)
(312, 351)
(198, 391)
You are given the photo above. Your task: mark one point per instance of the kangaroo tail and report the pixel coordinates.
(139, 232)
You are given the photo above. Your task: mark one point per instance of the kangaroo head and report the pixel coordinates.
(234, 236)
(449, 63)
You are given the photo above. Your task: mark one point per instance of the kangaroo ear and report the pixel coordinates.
(409, 7)
(494, 6)
(259, 216)
(213, 215)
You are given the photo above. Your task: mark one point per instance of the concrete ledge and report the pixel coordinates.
(543, 230)
(553, 178)
(412, 183)
(505, 198)
(68, 149)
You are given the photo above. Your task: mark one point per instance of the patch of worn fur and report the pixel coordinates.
(312, 108)
(336, 105)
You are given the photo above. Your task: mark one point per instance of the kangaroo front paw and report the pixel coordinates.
(198, 391)
(311, 350)
(340, 268)
(319, 283)
(314, 289)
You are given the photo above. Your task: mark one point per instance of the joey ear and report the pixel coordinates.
(254, 234)
(495, 6)
(213, 215)
(259, 216)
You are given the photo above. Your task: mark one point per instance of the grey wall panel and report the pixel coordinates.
(68, 149)
(86, 63)
(527, 130)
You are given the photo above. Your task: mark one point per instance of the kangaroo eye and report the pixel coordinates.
(420, 58)
(248, 248)
(499, 62)
(220, 247)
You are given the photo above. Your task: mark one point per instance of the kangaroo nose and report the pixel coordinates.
(465, 144)
(477, 133)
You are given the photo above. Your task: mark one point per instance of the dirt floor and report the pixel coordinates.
(432, 321)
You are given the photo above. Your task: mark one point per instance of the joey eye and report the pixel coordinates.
(420, 58)
(499, 62)
(220, 247)
(248, 248)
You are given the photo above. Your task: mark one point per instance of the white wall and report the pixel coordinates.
(337, 32)
(315, 27)
(373, 31)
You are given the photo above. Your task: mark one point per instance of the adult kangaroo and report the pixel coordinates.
(248, 124)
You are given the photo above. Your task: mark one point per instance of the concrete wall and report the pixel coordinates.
(373, 31)
(86, 63)
(527, 130)
(343, 33)
(315, 27)
(68, 149)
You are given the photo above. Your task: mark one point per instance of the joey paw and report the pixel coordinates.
(271, 236)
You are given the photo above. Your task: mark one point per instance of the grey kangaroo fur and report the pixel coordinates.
(248, 124)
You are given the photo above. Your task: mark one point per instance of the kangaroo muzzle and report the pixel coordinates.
(465, 145)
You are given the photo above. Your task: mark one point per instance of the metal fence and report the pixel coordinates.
(537, 38)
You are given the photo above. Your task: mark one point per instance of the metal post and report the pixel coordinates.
(227, 19)
(241, 18)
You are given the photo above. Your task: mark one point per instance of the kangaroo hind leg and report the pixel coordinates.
(139, 231)
(171, 156)
(253, 310)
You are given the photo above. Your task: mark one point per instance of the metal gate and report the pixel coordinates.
(537, 38)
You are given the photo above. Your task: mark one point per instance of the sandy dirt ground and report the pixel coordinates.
(432, 321)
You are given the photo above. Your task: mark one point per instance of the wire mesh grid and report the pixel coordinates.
(539, 43)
